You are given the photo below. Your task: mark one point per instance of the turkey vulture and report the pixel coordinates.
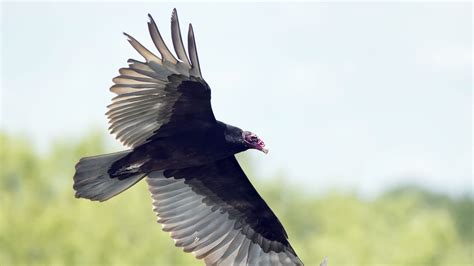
(201, 195)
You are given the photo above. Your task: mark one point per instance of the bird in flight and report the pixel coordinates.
(201, 195)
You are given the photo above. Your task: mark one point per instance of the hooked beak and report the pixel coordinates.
(261, 146)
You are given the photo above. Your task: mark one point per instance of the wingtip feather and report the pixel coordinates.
(159, 42)
(193, 52)
(174, 14)
(177, 40)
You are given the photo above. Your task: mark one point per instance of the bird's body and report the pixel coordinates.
(162, 112)
(187, 149)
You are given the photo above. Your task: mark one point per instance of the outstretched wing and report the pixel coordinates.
(214, 211)
(161, 96)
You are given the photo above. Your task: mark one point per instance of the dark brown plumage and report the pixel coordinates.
(163, 112)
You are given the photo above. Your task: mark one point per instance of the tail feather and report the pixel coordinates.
(92, 180)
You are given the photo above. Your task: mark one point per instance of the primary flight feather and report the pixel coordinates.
(201, 195)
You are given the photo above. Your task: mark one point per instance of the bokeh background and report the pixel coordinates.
(366, 109)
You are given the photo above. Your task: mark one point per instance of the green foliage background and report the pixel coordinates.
(41, 223)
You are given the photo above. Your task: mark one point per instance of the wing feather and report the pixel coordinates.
(177, 40)
(195, 68)
(132, 73)
(213, 239)
(159, 97)
(217, 251)
(199, 211)
(159, 43)
(149, 56)
(126, 79)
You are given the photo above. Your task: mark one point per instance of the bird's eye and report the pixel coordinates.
(253, 138)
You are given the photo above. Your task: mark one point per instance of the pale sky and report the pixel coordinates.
(347, 96)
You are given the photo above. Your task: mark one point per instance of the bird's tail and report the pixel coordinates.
(93, 181)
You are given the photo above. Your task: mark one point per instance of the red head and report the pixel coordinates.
(254, 142)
